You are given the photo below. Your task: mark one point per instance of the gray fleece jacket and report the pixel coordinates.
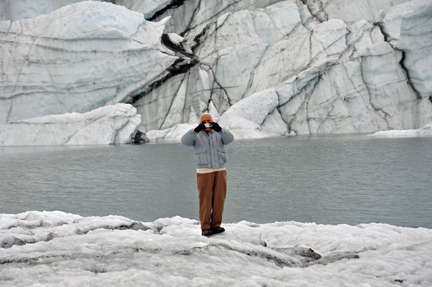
(209, 148)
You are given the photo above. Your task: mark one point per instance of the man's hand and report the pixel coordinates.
(199, 128)
(216, 127)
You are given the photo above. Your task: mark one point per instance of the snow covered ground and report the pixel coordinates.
(60, 249)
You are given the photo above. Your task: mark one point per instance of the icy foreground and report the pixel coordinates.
(59, 249)
(115, 124)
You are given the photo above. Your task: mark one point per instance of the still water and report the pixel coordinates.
(347, 179)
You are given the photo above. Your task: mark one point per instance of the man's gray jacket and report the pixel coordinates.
(209, 148)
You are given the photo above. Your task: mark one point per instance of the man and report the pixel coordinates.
(208, 140)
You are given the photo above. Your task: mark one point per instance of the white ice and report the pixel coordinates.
(331, 77)
(255, 117)
(335, 66)
(21, 9)
(76, 59)
(425, 131)
(146, 7)
(173, 134)
(114, 124)
(252, 117)
(176, 39)
(61, 249)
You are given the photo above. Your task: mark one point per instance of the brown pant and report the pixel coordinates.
(212, 189)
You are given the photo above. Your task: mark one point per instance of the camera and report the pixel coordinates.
(207, 125)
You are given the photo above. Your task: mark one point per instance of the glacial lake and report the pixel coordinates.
(337, 179)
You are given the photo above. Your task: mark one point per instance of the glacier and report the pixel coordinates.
(425, 131)
(114, 124)
(101, 54)
(331, 76)
(326, 66)
(63, 249)
(24, 9)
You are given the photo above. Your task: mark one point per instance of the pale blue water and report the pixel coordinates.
(323, 179)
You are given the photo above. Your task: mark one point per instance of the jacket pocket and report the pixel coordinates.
(223, 158)
(201, 156)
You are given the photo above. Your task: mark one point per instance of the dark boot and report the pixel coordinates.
(206, 232)
(217, 230)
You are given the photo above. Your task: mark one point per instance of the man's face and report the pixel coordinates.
(206, 118)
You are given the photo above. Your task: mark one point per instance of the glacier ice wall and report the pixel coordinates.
(147, 7)
(334, 66)
(21, 9)
(77, 58)
(324, 66)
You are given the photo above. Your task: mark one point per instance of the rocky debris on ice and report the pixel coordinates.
(425, 131)
(114, 124)
(46, 247)
(140, 138)
(77, 58)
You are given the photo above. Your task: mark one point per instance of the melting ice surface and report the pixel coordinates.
(60, 249)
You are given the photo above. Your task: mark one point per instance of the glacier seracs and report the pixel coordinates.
(24, 9)
(415, 40)
(331, 76)
(147, 7)
(337, 67)
(77, 58)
